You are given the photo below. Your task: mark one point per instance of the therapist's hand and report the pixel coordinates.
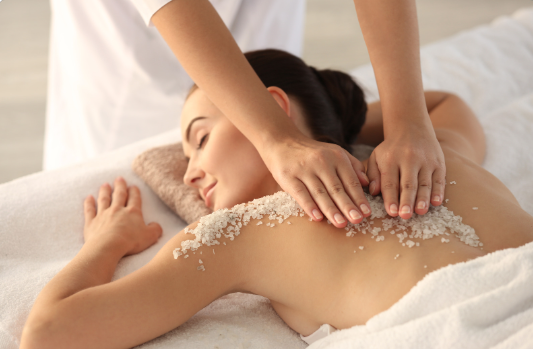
(409, 165)
(321, 177)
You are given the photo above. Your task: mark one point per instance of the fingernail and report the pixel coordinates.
(317, 214)
(436, 198)
(339, 218)
(421, 205)
(365, 209)
(355, 215)
(393, 209)
(406, 209)
(372, 187)
(366, 177)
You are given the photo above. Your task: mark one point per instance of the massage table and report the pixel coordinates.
(490, 67)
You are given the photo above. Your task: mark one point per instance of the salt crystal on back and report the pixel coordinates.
(474, 208)
(280, 206)
(202, 268)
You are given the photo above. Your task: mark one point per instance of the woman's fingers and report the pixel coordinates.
(120, 193)
(89, 209)
(156, 230)
(134, 197)
(104, 197)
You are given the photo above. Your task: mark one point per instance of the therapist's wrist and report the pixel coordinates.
(408, 121)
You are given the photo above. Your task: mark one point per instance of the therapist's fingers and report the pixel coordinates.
(409, 188)
(356, 192)
(104, 198)
(322, 196)
(89, 209)
(390, 186)
(439, 185)
(120, 193)
(423, 197)
(374, 176)
(300, 193)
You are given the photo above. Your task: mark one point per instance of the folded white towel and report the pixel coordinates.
(483, 303)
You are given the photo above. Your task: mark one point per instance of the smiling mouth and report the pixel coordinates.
(208, 193)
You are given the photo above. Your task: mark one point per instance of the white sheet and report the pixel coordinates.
(41, 215)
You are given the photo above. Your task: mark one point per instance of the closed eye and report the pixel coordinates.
(202, 141)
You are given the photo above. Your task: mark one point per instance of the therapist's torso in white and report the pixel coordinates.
(113, 80)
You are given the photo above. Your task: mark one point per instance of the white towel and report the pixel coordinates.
(484, 303)
(41, 217)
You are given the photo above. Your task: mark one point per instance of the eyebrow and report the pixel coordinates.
(190, 125)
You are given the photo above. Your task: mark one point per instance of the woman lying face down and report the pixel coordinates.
(324, 105)
(312, 272)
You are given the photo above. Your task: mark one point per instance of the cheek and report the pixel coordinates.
(236, 165)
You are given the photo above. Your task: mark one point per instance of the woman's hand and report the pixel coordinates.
(411, 162)
(117, 219)
(321, 177)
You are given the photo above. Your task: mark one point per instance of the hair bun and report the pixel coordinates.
(347, 99)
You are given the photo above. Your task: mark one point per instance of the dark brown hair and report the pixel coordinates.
(333, 104)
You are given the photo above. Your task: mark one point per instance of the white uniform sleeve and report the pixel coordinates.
(147, 8)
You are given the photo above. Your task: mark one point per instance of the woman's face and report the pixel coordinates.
(223, 164)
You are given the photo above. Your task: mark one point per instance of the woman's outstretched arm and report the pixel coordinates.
(81, 308)
(321, 177)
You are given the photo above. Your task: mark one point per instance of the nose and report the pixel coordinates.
(193, 174)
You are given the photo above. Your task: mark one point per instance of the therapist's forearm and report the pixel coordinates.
(206, 49)
(390, 30)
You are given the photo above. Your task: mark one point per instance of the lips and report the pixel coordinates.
(208, 192)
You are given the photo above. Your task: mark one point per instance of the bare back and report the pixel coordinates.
(314, 274)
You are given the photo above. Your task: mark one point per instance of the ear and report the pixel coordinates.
(281, 97)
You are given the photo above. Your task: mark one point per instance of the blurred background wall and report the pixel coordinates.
(333, 39)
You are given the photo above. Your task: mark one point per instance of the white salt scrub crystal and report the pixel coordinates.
(213, 251)
(443, 240)
(474, 208)
(289, 223)
(446, 201)
(202, 268)
(438, 221)
(228, 222)
(396, 257)
(260, 222)
(361, 247)
(425, 266)
(200, 261)
(453, 182)
(409, 243)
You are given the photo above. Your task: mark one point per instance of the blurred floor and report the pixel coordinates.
(332, 39)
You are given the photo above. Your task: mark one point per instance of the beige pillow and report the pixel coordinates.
(163, 168)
